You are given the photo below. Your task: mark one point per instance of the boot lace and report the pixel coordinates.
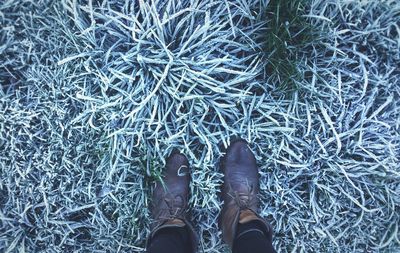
(174, 208)
(245, 200)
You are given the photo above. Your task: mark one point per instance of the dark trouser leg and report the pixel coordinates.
(173, 239)
(250, 238)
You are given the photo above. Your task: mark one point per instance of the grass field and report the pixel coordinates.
(94, 95)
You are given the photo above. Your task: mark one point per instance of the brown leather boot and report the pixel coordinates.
(240, 190)
(170, 198)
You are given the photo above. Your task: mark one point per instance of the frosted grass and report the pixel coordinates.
(95, 94)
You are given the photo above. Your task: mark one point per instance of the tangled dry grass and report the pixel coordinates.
(94, 94)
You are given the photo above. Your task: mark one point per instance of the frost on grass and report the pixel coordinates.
(95, 94)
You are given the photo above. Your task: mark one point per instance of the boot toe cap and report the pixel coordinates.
(176, 162)
(240, 153)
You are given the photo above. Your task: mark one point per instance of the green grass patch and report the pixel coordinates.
(289, 37)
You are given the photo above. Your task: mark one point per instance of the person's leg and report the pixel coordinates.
(174, 239)
(250, 238)
(171, 230)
